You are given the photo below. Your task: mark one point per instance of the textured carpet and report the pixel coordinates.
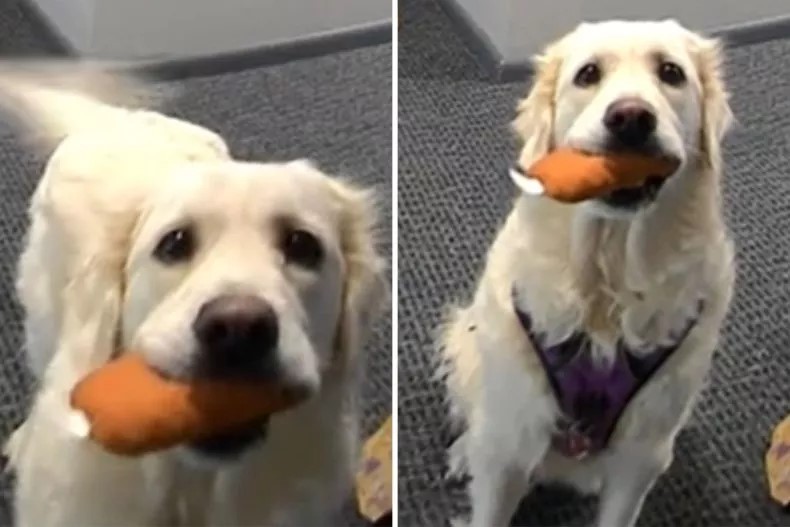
(335, 109)
(454, 148)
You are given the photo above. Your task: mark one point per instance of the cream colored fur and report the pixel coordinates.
(608, 273)
(116, 181)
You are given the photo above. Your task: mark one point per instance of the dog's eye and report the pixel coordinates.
(176, 246)
(588, 75)
(302, 248)
(670, 73)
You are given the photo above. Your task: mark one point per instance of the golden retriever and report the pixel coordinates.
(634, 285)
(146, 235)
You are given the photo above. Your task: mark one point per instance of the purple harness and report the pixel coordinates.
(593, 396)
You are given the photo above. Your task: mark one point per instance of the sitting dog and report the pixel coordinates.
(594, 325)
(146, 235)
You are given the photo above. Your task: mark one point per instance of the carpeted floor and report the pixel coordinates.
(335, 109)
(454, 148)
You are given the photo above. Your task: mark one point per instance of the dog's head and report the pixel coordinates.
(255, 271)
(651, 87)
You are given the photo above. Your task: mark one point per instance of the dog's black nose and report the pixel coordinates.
(236, 330)
(630, 121)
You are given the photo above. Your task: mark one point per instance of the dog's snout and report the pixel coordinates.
(237, 328)
(630, 121)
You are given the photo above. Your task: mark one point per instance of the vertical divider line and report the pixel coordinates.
(394, 262)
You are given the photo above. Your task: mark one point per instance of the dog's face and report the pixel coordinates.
(648, 87)
(244, 271)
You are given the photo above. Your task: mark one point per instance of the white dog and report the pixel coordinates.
(146, 235)
(593, 325)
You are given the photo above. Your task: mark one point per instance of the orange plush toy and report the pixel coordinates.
(572, 176)
(130, 409)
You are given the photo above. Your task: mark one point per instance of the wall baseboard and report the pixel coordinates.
(504, 71)
(265, 55)
(754, 32)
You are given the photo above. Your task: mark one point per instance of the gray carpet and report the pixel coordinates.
(454, 148)
(335, 109)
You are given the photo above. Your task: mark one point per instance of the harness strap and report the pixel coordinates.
(592, 396)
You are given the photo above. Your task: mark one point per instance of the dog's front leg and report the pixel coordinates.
(630, 474)
(495, 490)
(502, 449)
(496, 384)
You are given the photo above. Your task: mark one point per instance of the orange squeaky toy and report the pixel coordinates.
(572, 176)
(130, 409)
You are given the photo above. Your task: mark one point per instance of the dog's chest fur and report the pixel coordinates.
(591, 276)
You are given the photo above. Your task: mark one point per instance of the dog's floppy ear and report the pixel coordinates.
(92, 311)
(716, 112)
(80, 252)
(365, 287)
(365, 290)
(534, 122)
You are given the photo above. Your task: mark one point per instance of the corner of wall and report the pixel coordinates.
(70, 23)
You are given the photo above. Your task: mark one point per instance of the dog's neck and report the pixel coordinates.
(661, 240)
(646, 264)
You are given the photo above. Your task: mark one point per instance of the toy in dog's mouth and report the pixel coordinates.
(620, 179)
(130, 409)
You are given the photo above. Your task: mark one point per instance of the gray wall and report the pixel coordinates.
(154, 29)
(520, 28)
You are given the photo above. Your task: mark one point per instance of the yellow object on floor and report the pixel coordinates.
(374, 479)
(777, 463)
